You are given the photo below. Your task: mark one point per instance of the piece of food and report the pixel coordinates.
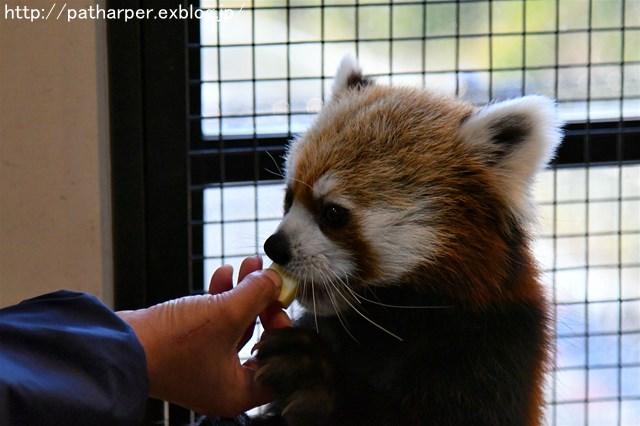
(289, 286)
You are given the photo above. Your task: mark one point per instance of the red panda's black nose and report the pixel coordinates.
(277, 248)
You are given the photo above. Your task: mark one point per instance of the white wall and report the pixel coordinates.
(54, 167)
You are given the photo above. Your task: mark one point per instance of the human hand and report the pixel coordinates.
(192, 343)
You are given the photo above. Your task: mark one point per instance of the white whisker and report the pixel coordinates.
(335, 307)
(345, 284)
(300, 182)
(364, 316)
(315, 312)
(279, 173)
(403, 306)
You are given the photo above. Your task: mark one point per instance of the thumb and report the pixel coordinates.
(255, 293)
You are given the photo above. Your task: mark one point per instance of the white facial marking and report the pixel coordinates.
(325, 189)
(400, 241)
(317, 261)
(324, 185)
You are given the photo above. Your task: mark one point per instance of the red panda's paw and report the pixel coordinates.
(297, 365)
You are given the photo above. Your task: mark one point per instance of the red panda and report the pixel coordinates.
(407, 222)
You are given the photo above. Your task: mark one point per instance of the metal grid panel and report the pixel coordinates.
(261, 71)
(588, 245)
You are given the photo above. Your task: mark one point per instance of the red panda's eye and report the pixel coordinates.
(334, 216)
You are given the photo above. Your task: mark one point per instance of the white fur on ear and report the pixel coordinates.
(348, 75)
(519, 137)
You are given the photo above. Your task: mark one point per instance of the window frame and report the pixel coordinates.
(149, 134)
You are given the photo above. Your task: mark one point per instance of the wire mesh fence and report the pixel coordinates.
(260, 72)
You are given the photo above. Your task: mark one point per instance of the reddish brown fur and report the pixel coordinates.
(398, 149)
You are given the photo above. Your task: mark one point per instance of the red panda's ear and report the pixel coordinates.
(349, 76)
(518, 137)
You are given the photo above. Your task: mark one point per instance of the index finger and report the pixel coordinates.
(249, 265)
(221, 280)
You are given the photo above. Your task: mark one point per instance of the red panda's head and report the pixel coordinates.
(397, 186)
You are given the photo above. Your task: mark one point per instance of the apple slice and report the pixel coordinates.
(289, 286)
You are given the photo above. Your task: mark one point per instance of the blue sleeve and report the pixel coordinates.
(65, 358)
